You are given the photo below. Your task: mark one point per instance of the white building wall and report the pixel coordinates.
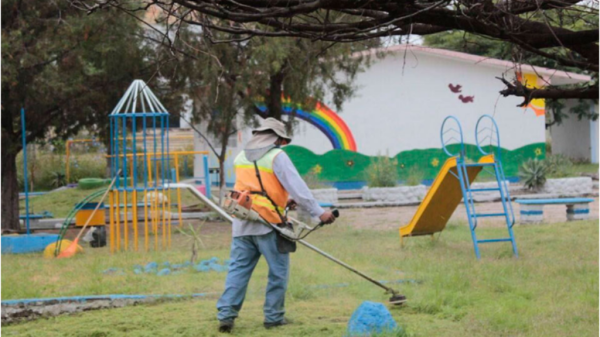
(594, 137)
(235, 145)
(572, 137)
(401, 107)
(186, 113)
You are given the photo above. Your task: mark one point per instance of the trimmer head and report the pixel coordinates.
(397, 299)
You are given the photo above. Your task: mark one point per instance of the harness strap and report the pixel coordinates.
(264, 193)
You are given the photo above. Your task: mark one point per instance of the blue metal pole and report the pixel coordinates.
(23, 136)
(124, 131)
(111, 151)
(155, 162)
(145, 155)
(163, 153)
(168, 147)
(117, 151)
(206, 175)
(134, 157)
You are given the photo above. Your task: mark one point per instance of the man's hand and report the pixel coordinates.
(291, 204)
(327, 217)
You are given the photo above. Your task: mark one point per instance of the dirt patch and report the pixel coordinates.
(30, 310)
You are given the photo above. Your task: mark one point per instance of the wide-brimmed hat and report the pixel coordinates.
(273, 124)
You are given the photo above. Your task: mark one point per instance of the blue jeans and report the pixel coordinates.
(245, 252)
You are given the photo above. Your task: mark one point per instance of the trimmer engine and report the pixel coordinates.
(239, 205)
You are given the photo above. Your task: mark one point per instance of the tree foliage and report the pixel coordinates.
(67, 70)
(535, 26)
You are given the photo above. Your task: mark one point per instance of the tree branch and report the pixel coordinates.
(517, 88)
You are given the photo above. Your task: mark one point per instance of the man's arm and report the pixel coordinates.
(290, 179)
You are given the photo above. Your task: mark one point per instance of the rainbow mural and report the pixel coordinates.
(324, 119)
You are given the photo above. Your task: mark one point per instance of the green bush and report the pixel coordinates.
(41, 169)
(47, 170)
(558, 165)
(87, 166)
(186, 166)
(58, 179)
(313, 181)
(382, 172)
(415, 176)
(533, 172)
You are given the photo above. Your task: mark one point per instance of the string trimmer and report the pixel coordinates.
(239, 205)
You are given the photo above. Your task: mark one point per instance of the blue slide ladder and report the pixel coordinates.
(486, 131)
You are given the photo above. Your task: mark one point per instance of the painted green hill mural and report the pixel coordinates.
(343, 165)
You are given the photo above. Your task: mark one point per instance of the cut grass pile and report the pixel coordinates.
(550, 290)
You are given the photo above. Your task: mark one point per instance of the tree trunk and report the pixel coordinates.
(221, 158)
(221, 177)
(10, 192)
(275, 92)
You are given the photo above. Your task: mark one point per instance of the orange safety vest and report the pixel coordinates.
(246, 180)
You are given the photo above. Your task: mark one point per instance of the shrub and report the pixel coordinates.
(382, 172)
(313, 181)
(558, 165)
(415, 176)
(48, 169)
(87, 166)
(58, 179)
(533, 172)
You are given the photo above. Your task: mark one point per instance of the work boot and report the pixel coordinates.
(284, 321)
(225, 326)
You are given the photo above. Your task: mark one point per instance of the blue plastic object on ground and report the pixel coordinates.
(201, 268)
(151, 267)
(164, 272)
(31, 243)
(113, 271)
(370, 318)
(166, 268)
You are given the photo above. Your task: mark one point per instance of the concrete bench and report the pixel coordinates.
(532, 210)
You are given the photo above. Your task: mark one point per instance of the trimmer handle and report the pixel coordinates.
(335, 213)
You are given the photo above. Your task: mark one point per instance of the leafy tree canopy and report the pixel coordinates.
(68, 70)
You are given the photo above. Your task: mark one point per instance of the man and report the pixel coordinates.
(269, 175)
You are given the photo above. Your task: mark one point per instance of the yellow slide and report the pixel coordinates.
(441, 200)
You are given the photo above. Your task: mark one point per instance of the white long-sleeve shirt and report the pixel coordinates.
(292, 182)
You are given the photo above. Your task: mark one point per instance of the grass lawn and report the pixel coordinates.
(550, 290)
(60, 203)
(577, 169)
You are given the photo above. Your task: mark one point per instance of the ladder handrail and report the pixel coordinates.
(492, 129)
(507, 195)
(461, 153)
(469, 196)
